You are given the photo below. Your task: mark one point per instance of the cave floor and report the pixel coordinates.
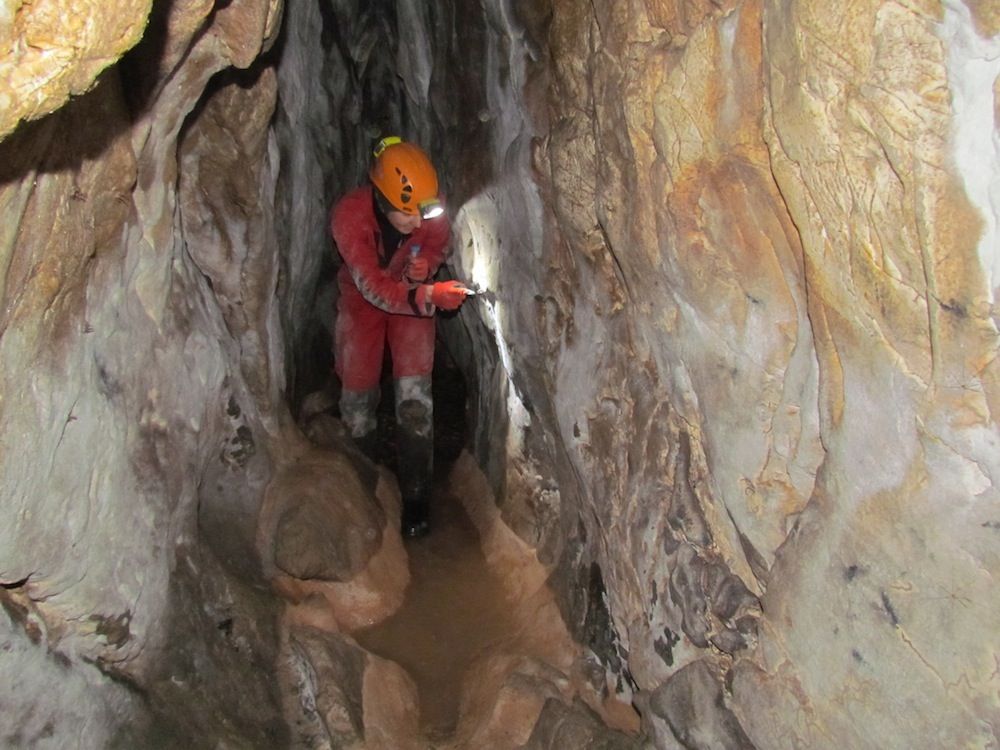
(455, 612)
(478, 631)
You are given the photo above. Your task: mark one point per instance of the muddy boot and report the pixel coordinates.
(415, 453)
(414, 457)
(357, 411)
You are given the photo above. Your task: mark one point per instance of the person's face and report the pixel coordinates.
(403, 223)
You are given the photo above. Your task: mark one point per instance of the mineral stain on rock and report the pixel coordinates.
(107, 384)
(115, 629)
(20, 610)
(685, 514)
(664, 646)
(890, 610)
(851, 572)
(240, 448)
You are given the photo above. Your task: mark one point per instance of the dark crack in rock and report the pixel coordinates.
(598, 630)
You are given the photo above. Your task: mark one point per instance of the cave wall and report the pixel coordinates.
(142, 372)
(759, 317)
(164, 241)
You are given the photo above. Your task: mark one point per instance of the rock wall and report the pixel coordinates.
(142, 370)
(758, 314)
(734, 368)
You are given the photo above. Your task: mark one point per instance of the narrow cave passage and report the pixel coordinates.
(455, 608)
(730, 463)
(478, 631)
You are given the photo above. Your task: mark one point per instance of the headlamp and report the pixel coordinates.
(430, 208)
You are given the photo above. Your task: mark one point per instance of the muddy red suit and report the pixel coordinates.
(380, 305)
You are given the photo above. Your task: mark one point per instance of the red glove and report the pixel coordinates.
(448, 295)
(417, 269)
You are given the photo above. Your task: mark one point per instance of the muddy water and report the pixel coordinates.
(454, 612)
(479, 631)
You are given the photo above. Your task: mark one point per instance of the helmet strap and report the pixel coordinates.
(383, 204)
(384, 143)
(391, 237)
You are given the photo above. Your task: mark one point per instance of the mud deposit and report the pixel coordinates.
(455, 611)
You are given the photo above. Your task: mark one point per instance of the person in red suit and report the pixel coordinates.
(393, 236)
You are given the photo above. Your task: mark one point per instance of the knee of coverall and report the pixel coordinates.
(414, 405)
(411, 341)
(357, 411)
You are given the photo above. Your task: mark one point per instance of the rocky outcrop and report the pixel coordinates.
(50, 51)
(346, 697)
(758, 312)
(139, 412)
(562, 726)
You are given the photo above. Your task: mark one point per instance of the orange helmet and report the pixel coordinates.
(405, 176)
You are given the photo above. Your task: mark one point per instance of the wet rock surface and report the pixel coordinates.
(328, 527)
(454, 611)
(468, 658)
(761, 357)
(480, 636)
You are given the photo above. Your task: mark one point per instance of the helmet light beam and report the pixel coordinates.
(430, 208)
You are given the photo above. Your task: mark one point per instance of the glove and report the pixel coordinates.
(448, 295)
(417, 269)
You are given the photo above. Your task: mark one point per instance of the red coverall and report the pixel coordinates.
(377, 305)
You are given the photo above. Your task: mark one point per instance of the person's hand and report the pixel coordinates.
(417, 269)
(448, 295)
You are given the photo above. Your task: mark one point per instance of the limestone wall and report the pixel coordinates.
(140, 373)
(762, 319)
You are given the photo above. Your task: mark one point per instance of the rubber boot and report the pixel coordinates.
(415, 453)
(357, 411)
